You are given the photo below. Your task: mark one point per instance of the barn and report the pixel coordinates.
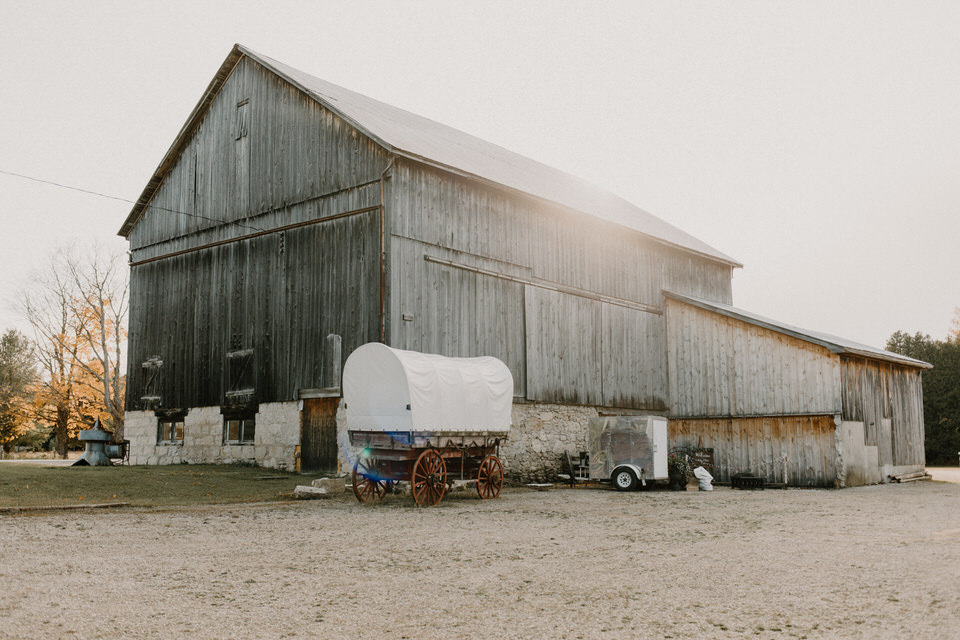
(292, 221)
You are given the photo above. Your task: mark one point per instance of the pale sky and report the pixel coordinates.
(816, 142)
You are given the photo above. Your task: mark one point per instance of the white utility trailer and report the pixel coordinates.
(629, 451)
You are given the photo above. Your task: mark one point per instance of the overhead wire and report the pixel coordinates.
(149, 206)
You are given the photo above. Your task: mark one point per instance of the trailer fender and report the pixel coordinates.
(627, 476)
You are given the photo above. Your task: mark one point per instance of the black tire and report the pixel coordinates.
(624, 479)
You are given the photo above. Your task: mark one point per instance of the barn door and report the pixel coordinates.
(318, 435)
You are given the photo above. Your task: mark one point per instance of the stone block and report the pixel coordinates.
(459, 486)
(290, 436)
(303, 492)
(330, 485)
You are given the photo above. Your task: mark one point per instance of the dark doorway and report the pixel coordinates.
(318, 435)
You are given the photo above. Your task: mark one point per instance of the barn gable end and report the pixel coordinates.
(263, 236)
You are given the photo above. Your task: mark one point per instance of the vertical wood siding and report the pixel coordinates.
(576, 349)
(563, 347)
(591, 352)
(720, 366)
(440, 309)
(888, 400)
(262, 150)
(758, 445)
(633, 358)
(280, 295)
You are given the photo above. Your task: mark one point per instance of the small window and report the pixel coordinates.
(238, 430)
(241, 122)
(169, 431)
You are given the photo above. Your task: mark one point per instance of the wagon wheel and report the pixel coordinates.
(367, 484)
(429, 479)
(490, 478)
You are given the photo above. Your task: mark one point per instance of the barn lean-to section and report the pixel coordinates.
(292, 221)
(787, 404)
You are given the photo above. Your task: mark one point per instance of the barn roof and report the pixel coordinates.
(409, 135)
(833, 343)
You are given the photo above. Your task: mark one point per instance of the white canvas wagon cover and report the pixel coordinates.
(388, 389)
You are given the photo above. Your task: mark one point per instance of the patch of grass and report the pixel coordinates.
(146, 486)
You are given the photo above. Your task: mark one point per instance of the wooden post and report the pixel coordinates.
(331, 361)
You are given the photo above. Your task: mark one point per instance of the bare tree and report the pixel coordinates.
(100, 310)
(46, 305)
(77, 308)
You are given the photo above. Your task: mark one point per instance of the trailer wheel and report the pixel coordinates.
(624, 480)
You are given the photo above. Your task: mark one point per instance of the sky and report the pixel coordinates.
(818, 143)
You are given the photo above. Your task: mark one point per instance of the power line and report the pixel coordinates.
(149, 206)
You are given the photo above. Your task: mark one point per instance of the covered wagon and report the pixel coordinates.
(425, 418)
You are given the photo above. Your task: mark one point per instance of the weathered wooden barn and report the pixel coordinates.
(293, 220)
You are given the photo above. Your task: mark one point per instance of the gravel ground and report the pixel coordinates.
(870, 562)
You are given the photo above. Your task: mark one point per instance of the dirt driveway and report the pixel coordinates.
(871, 562)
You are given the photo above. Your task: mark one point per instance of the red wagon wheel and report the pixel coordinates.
(429, 479)
(490, 478)
(367, 484)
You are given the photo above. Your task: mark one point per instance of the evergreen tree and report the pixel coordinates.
(17, 373)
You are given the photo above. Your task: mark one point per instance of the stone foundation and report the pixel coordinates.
(534, 452)
(540, 437)
(274, 445)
